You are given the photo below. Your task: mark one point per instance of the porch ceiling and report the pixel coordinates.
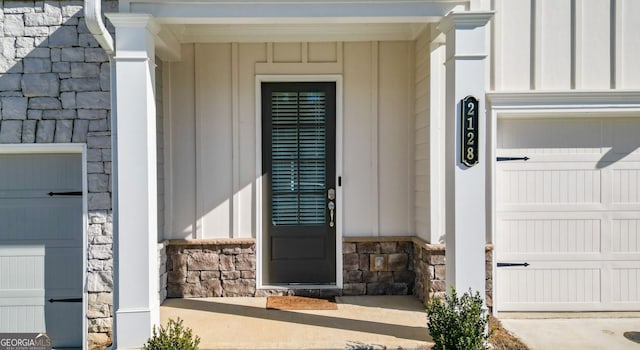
(216, 21)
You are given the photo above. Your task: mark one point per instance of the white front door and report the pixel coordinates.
(572, 212)
(41, 246)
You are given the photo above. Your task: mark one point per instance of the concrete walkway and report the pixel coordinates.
(360, 323)
(571, 332)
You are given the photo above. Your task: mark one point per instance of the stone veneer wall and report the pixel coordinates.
(162, 271)
(377, 266)
(220, 268)
(371, 266)
(429, 263)
(211, 268)
(54, 88)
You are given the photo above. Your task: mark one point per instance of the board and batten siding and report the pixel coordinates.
(566, 45)
(212, 141)
(422, 136)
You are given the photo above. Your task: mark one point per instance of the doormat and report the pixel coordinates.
(633, 336)
(300, 303)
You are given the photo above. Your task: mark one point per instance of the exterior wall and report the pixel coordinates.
(213, 146)
(566, 45)
(227, 268)
(160, 146)
(378, 266)
(430, 270)
(422, 140)
(54, 88)
(211, 268)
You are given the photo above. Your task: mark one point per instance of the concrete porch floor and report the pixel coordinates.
(244, 323)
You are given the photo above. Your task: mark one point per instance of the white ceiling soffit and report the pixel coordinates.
(219, 33)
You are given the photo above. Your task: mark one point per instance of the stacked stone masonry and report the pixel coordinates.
(211, 270)
(224, 269)
(429, 265)
(54, 88)
(377, 268)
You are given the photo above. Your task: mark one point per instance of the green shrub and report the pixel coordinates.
(458, 323)
(174, 337)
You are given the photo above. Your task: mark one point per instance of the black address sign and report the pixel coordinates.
(470, 132)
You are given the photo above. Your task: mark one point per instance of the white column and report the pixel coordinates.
(466, 187)
(137, 308)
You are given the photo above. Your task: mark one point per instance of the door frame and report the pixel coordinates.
(80, 148)
(260, 239)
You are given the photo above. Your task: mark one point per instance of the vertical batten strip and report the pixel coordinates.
(618, 51)
(495, 53)
(612, 44)
(304, 54)
(573, 27)
(269, 52)
(168, 153)
(199, 154)
(375, 154)
(411, 139)
(535, 46)
(236, 202)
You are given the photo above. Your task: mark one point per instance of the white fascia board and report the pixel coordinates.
(260, 11)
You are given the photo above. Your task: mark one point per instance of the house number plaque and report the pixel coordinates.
(470, 132)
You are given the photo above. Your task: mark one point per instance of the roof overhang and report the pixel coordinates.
(218, 21)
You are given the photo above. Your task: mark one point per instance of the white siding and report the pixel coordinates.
(422, 139)
(627, 46)
(160, 148)
(213, 145)
(566, 44)
(182, 151)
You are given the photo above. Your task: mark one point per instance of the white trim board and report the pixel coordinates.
(569, 103)
(66, 148)
(339, 169)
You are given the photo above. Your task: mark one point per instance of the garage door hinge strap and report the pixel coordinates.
(73, 193)
(525, 264)
(504, 159)
(70, 300)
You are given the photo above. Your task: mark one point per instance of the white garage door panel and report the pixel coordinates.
(550, 287)
(41, 246)
(625, 285)
(38, 218)
(572, 212)
(22, 288)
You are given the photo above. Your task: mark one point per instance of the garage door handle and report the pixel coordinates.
(70, 300)
(73, 193)
(504, 159)
(525, 264)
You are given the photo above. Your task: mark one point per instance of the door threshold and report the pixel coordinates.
(299, 286)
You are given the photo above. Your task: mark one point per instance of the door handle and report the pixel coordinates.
(332, 206)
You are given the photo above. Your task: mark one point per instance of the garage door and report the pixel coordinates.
(41, 246)
(572, 212)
